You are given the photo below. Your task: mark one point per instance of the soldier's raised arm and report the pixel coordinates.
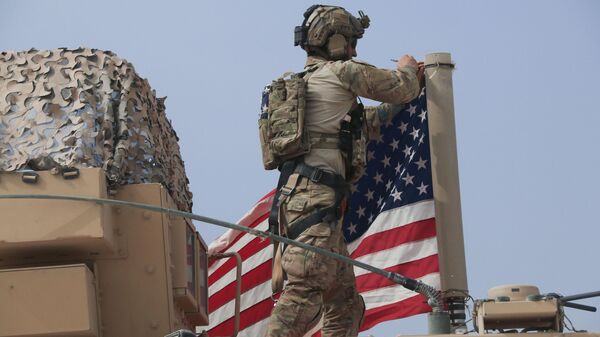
(388, 86)
(392, 87)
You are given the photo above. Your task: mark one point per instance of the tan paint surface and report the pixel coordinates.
(43, 228)
(444, 165)
(48, 301)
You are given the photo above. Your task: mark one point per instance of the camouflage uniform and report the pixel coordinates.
(318, 284)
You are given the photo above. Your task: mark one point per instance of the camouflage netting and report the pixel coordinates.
(86, 108)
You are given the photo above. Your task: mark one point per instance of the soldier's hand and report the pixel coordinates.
(407, 61)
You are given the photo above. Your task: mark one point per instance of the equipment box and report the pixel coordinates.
(34, 228)
(48, 301)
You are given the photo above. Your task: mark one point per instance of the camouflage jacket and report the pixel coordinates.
(332, 91)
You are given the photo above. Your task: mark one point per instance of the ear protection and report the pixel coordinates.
(337, 46)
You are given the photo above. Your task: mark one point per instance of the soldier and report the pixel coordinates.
(313, 197)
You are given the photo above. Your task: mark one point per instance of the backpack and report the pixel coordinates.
(281, 123)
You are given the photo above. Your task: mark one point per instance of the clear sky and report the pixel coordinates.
(526, 100)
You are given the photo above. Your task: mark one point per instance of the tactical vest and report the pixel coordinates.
(283, 135)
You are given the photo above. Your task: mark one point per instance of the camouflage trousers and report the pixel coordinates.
(316, 285)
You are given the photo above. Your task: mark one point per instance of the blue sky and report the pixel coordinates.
(527, 117)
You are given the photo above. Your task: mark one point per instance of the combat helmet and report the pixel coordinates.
(328, 30)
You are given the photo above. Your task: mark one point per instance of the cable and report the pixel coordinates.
(434, 297)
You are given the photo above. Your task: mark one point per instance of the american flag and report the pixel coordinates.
(390, 224)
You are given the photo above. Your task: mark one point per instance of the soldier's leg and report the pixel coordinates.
(299, 307)
(343, 306)
(309, 274)
(297, 311)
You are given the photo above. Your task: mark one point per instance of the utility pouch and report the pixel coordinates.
(353, 142)
(278, 275)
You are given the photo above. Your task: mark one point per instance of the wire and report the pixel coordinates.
(432, 294)
(567, 319)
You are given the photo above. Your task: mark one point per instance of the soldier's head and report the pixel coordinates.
(330, 32)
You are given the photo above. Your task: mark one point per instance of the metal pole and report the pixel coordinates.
(446, 192)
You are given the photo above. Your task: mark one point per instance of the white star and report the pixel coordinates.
(352, 228)
(369, 195)
(353, 188)
(406, 150)
(421, 163)
(389, 184)
(379, 201)
(403, 126)
(397, 195)
(378, 177)
(412, 109)
(423, 115)
(360, 211)
(394, 144)
(422, 189)
(414, 133)
(422, 93)
(388, 123)
(386, 161)
(370, 218)
(421, 139)
(408, 179)
(398, 168)
(379, 138)
(370, 155)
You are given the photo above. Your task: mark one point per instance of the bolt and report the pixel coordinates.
(150, 269)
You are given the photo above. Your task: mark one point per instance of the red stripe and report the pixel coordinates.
(240, 235)
(248, 317)
(253, 247)
(408, 307)
(415, 231)
(263, 206)
(259, 213)
(413, 269)
(258, 275)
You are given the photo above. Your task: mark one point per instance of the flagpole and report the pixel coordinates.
(446, 190)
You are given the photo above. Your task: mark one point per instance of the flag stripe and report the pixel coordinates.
(413, 269)
(258, 312)
(402, 254)
(395, 293)
(252, 262)
(240, 242)
(250, 297)
(251, 219)
(397, 217)
(390, 238)
(411, 306)
(254, 246)
(250, 280)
